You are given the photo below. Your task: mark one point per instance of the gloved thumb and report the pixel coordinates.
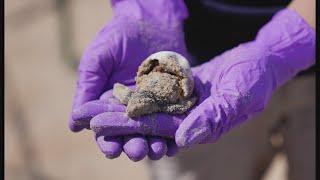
(198, 125)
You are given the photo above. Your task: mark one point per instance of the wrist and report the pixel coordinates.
(306, 9)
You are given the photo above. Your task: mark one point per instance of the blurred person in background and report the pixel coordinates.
(277, 44)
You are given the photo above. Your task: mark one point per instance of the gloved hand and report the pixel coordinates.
(138, 29)
(231, 88)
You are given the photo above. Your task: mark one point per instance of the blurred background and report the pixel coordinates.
(44, 40)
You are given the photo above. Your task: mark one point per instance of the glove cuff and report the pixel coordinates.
(290, 41)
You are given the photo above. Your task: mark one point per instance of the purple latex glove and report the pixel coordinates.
(138, 29)
(232, 87)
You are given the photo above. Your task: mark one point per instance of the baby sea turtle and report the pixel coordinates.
(164, 84)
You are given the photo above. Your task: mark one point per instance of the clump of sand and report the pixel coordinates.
(164, 84)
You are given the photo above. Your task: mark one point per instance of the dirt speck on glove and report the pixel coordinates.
(164, 84)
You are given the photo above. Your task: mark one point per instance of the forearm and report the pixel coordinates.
(306, 9)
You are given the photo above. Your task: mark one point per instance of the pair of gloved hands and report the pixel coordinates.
(231, 87)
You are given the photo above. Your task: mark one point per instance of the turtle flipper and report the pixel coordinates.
(122, 92)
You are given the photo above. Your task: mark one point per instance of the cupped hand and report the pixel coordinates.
(138, 29)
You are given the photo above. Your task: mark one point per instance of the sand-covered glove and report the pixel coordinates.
(231, 88)
(138, 29)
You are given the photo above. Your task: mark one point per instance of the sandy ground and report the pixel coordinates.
(38, 93)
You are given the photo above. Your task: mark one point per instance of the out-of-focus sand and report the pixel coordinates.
(38, 94)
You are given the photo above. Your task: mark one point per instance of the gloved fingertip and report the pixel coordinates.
(111, 147)
(74, 127)
(193, 131)
(191, 137)
(112, 155)
(172, 148)
(135, 147)
(157, 148)
(77, 114)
